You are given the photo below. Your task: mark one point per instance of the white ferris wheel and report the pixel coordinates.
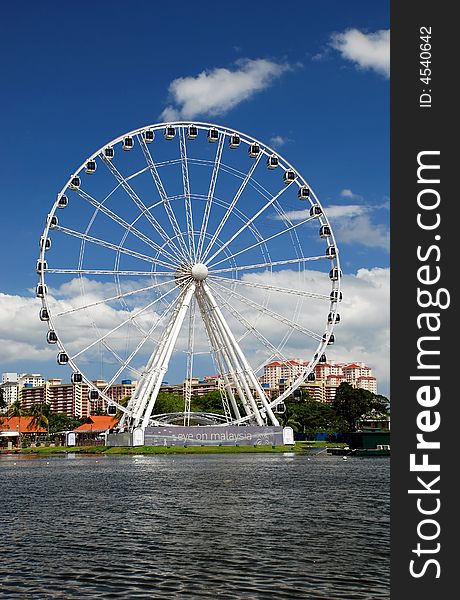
(189, 249)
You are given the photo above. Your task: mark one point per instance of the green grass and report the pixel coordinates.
(109, 450)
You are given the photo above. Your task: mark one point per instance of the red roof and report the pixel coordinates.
(355, 366)
(20, 424)
(98, 423)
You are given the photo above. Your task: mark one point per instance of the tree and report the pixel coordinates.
(168, 403)
(62, 422)
(39, 413)
(16, 410)
(354, 404)
(210, 402)
(310, 416)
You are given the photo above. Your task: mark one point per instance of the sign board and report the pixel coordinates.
(229, 435)
(70, 438)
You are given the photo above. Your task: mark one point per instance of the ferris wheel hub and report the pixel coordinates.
(199, 271)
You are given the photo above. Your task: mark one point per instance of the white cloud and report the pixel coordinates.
(362, 335)
(352, 224)
(277, 141)
(216, 91)
(363, 231)
(367, 51)
(346, 193)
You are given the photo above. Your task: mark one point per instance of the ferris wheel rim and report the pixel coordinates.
(266, 150)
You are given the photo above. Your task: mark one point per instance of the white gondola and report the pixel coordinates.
(148, 135)
(41, 290)
(62, 358)
(192, 132)
(315, 211)
(234, 141)
(335, 274)
(111, 410)
(213, 135)
(128, 143)
(76, 378)
(324, 231)
(90, 166)
(280, 408)
(289, 176)
(254, 150)
(108, 153)
(333, 318)
(75, 183)
(331, 339)
(272, 161)
(331, 252)
(45, 243)
(93, 395)
(336, 296)
(53, 221)
(170, 132)
(322, 358)
(51, 337)
(44, 315)
(311, 376)
(41, 266)
(63, 200)
(303, 193)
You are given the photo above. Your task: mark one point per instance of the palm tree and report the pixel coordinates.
(39, 413)
(16, 410)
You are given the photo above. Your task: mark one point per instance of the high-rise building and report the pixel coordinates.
(279, 375)
(72, 399)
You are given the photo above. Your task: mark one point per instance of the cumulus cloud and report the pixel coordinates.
(366, 50)
(346, 193)
(362, 335)
(277, 141)
(352, 224)
(216, 91)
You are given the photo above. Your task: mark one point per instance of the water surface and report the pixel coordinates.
(195, 526)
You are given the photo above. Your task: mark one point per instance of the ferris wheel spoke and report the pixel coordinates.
(271, 288)
(140, 205)
(125, 363)
(122, 324)
(231, 206)
(263, 241)
(109, 272)
(251, 220)
(276, 352)
(222, 361)
(276, 316)
(189, 374)
(115, 247)
(188, 204)
(164, 197)
(258, 402)
(117, 297)
(210, 197)
(291, 261)
(130, 228)
(237, 372)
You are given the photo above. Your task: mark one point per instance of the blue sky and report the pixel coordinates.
(76, 76)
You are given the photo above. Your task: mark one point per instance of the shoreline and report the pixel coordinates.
(298, 447)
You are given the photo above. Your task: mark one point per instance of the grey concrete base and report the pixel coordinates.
(230, 435)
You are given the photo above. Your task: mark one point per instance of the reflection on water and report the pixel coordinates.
(195, 526)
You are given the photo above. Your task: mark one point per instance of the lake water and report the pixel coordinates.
(195, 526)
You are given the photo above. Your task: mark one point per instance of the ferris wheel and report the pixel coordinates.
(189, 249)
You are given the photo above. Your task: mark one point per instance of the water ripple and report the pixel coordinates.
(249, 527)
